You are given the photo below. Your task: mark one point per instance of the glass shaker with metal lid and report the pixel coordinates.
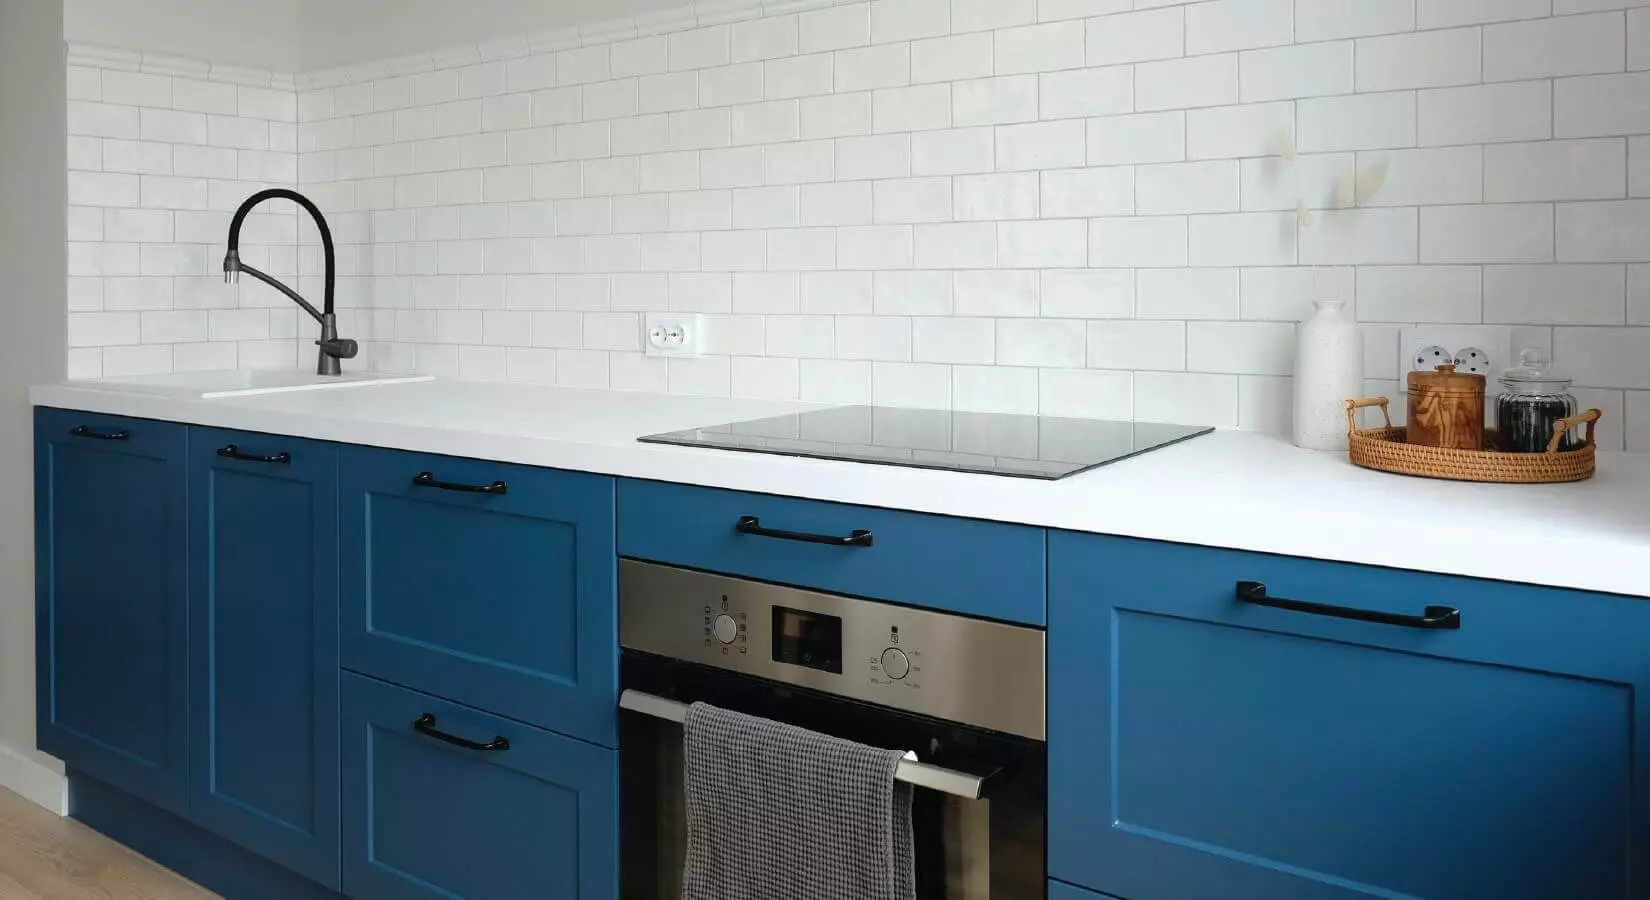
(1534, 399)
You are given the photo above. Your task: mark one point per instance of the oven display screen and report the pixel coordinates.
(807, 639)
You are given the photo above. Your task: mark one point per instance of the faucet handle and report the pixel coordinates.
(339, 348)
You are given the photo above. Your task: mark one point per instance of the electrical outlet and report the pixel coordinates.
(1480, 349)
(673, 334)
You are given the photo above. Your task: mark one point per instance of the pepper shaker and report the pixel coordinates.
(1446, 409)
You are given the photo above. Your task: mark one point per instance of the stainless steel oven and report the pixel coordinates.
(965, 695)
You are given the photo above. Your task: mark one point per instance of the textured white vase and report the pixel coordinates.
(1329, 370)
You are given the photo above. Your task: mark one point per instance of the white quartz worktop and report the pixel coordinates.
(1230, 489)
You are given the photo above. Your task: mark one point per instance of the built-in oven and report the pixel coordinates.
(965, 695)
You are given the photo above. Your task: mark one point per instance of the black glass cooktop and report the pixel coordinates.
(986, 443)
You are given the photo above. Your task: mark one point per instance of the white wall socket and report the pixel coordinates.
(673, 334)
(1481, 349)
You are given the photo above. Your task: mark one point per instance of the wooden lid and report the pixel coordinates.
(1448, 380)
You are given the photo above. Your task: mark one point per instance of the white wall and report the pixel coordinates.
(31, 351)
(256, 33)
(342, 32)
(1067, 207)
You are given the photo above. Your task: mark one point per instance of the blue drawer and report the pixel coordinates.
(503, 600)
(1059, 891)
(986, 569)
(426, 818)
(1203, 747)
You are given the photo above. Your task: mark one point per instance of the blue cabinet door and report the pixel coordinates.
(264, 645)
(519, 814)
(1058, 891)
(111, 602)
(490, 584)
(1207, 748)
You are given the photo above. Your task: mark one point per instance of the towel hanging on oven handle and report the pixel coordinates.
(910, 771)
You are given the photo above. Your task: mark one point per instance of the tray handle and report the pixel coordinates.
(1589, 418)
(1352, 407)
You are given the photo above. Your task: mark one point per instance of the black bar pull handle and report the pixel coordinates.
(1435, 617)
(752, 525)
(425, 725)
(234, 452)
(85, 432)
(427, 479)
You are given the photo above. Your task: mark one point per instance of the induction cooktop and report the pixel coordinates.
(1023, 446)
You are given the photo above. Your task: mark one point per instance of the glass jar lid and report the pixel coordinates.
(1534, 375)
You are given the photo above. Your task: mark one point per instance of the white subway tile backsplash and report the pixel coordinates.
(1362, 122)
(1424, 59)
(1543, 48)
(999, 292)
(1079, 193)
(1443, 13)
(1604, 232)
(1044, 145)
(1221, 25)
(1194, 187)
(1486, 114)
(1144, 138)
(994, 101)
(1555, 170)
(1136, 37)
(1324, 20)
(1308, 70)
(1601, 105)
(1420, 294)
(1186, 83)
(1143, 242)
(951, 58)
(888, 201)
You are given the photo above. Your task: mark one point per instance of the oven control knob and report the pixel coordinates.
(726, 628)
(895, 664)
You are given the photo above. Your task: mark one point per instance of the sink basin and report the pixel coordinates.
(247, 383)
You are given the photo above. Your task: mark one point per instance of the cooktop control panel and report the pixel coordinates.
(987, 674)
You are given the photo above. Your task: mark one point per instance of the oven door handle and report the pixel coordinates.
(910, 771)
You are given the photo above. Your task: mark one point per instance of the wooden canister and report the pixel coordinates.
(1446, 409)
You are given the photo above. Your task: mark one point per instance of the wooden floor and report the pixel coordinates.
(43, 857)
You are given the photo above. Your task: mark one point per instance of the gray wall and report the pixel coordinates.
(32, 341)
(260, 34)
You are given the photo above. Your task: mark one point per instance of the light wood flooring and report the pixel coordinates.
(43, 857)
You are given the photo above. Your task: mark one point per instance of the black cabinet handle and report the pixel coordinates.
(425, 725)
(752, 525)
(85, 432)
(1435, 617)
(234, 452)
(427, 479)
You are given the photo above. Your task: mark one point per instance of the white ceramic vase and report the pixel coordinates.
(1329, 364)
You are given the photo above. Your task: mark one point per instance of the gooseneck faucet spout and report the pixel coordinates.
(333, 348)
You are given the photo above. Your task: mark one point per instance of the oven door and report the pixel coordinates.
(990, 848)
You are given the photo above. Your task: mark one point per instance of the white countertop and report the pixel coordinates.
(1230, 489)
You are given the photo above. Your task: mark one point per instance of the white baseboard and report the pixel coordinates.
(33, 781)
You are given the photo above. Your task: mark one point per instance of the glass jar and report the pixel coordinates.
(1533, 400)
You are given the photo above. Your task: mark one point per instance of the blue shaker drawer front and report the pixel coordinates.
(1206, 745)
(977, 568)
(444, 802)
(489, 584)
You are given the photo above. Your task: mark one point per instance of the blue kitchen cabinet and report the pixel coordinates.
(444, 802)
(1207, 746)
(263, 595)
(111, 600)
(989, 569)
(489, 584)
(1058, 891)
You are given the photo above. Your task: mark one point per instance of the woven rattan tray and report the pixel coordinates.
(1384, 449)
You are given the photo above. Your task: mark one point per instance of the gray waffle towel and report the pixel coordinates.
(776, 812)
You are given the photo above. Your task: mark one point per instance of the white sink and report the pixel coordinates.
(241, 383)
